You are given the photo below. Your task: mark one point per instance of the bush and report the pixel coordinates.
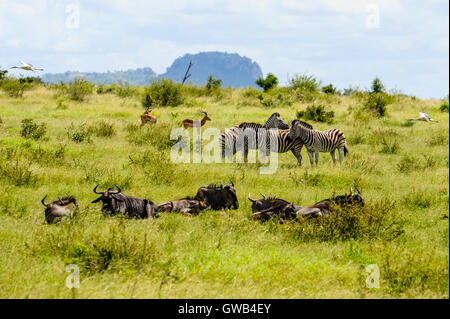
(213, 83)
(102, 129)
(317, 113)
(387, 148)
(78, 90)
(14, 87)
(374, 220)
(165, 92)
(147, 101)
(3, 74)
(14, 169)
(376, 103)
(32, 130)
(305, 83)
(377, 86)
(329, 89)
(269, 82)
(444, 107)
(78, 134)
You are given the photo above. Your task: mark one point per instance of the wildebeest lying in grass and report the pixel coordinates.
(185, 206)
(218, 197)
(325, 207)
(132, 207)
(265, 208)
(63, 207)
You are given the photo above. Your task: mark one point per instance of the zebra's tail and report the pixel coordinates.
(345, 149)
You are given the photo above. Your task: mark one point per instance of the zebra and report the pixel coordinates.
(230, 138)
(320, 141)
(285, 142)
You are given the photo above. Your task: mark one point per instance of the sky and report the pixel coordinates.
(344, 42)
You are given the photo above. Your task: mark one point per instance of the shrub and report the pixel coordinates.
(444, 107)
(329, 89)
(387, 148)
(377, 86)
(14, 169)
(3, 74)
(14, 87)
(158, 136)
(305, 83)
(213, 83)
(374, 220)
(317, 113)
(147, 101)
(408, 164)
(32, 130)
(78, 90)
(124, 90)
(269, 82)
(377, 102)
(102, 129)
(408, 124)
(78, 134)
(165, 92)
(61, 104)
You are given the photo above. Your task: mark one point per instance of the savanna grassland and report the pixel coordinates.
(401, 170)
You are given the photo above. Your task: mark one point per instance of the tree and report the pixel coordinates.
(213, 83)
(269, 82)
(377, 86)
(3, 74)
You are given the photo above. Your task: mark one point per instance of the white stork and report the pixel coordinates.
(27, 66)
(423, 117)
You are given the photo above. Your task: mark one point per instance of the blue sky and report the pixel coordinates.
(344, 42)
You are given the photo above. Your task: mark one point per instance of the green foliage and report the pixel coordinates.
(318, 113)
(377, 86)
(165, 92)
(156, 135)
(3, 74)
(147, 101)
(268, 83)
(213, 83)
(330, 89)
(377, 102)
(305, 83)
(78, 134)
(15, 168)
(102, 129)
(78, 90)
(388, 148)
(408, 124)
(14, 87)
(350, 223)
(444, 107)
(32, 130)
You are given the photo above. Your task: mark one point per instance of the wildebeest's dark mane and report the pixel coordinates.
(65, 199)
(212, 186)
(276, 198)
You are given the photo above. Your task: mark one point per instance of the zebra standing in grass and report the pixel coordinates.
(232, 136)
(284, 142)
(320, 141)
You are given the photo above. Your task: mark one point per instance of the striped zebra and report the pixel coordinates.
(284, 142)
(320, 141)
(229, 141)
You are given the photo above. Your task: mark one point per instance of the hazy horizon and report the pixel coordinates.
(346, 43)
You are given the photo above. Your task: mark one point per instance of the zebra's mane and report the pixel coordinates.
(249, 124)
(304, 124)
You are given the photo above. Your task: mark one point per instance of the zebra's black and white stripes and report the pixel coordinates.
(247, 136)
(319, 141)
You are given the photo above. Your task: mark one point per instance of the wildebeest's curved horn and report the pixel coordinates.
(264, 196)
(118, 190)
(231, 182)
(357, 190)
(252, 200)
(95, 190)
(43, 201)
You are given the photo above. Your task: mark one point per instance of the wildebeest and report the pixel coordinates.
(185, 206)
(265, 208)
(326, 207)
(56, 210)
(115, 202)
(218, 197)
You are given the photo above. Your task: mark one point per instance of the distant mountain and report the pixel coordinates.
(133, 77)
(233, 69)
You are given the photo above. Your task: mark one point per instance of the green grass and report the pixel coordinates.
(218, 254)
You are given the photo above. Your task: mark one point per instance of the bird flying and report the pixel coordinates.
(27, 66)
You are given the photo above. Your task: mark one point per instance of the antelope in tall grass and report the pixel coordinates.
(191, 123)
(146, 117)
